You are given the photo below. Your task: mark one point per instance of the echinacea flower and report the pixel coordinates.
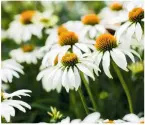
(132, 118)
(113, 11)
(66, 71)
(45, 18)
(54, 33)
(91, 118)
(10, 68)
(92, 27)
(22, 28)
(133, 26)
(27, 53)
(106, 46)
(8, 105)
(107, 121)
(69, 41)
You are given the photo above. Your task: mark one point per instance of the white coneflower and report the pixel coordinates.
(132, 118)
(54, 33)
(106, 46)
(111, 13)
(107, 121)
(92, 27)
(27, 53)
(69, 41)
(22, 28)
(45, 18)
(10, 68)
(8, 105)
(133, 26)
(91, 118)
(66, 71)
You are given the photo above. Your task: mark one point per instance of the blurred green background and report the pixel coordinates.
(109, 95)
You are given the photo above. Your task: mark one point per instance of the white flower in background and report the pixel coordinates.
(106, 46)
(66, 71)
(107, 121)
(8, 105)
(22, 28)
(92, 27)
(45, 19)
(28, 53)
(114, 11)
(132, 118)
(133, 26)
(69, 41)
(4, 34)
(91, 118)
(10, 68)
(72, 26)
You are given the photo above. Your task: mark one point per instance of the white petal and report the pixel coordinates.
(131, 118)
(85, 70)
(135, 53)
(122, 29)
(131, 30)
(98, 59)
(92, 32)
(83, 47)
(71, 77)
(130, 55)
(92, 118)
(65, 80)
(77, 50)
(138, 32)
(106, 64)
(77, 78)
(57, 79)
(119, 58)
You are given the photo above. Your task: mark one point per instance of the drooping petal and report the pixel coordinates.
(119, 58)
(77, 78)
(92, 118)
(106, 64)
(138, 32)
(122, 29)
(130, 55)
(71, 77)
(131, 30)
(85, 70)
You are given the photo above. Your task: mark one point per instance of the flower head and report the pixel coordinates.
(27, 53)
(61, 29)
(67, 71)
(90, 19)
(106, 46)
(136, 14)
(8, 105)
(68, 38)
(28, 48)
(105, 42)
(116, 6)
(69, 59)
(26, 16)
(9, 69)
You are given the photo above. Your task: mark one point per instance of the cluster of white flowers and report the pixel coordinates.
(95, 118)
(73, 51)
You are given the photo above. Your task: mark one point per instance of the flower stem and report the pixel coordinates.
(83, 101)
(89, 91)
(124, 86)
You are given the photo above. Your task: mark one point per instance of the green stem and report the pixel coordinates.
(89, 91)
(83, 101)
(124, 86)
